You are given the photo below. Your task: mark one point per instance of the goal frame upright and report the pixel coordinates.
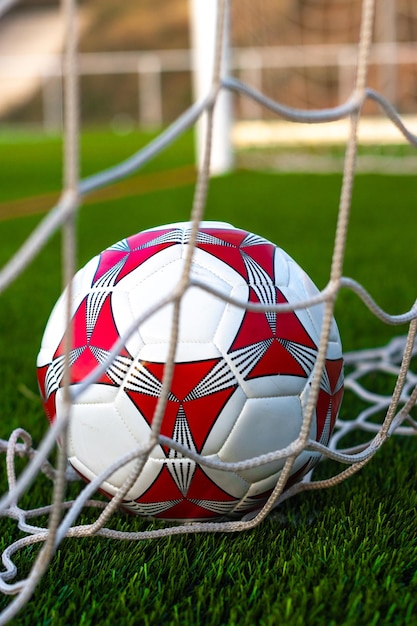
(204, 16)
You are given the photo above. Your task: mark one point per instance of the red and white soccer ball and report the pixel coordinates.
(241, 379)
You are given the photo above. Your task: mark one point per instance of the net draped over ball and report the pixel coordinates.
(240, 383)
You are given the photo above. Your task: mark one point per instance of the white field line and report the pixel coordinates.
(372, 131)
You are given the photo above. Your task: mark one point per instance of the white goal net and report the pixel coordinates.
(383, 414)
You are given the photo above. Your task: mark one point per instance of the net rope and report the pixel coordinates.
(395, 358)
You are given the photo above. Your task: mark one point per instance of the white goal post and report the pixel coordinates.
(204, 16)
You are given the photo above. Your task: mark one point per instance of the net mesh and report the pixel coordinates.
(304, 54)
(383, 415)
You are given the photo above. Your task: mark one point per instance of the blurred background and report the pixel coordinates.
(135, 62)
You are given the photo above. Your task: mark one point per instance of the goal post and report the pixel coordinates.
(203, 29)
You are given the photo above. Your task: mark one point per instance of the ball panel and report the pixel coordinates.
(225, 422)
(142, 268)
(98, 436)
(231, 319)
(241, 379)
(55, 327)
(264, 425)
(185, 352)
(200, 391)
(282, 273)
(181, 490)
(271, 354)
(124, 318)
(213, 272)
(229, 481)
(263, 487)
(200, 311)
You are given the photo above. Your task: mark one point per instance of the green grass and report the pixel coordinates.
(344, 556)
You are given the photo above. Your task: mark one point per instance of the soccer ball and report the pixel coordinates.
(241, 378)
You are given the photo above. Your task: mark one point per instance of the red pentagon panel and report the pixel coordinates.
(263, 253)
(108, 259)
(231, 247)
(334, 369)
(276, 360)
(47, 400)
(329, 401)
(201, 410)
(233, 237)
(254, 328)
(290, 328)
(85, 343)
(228, 248)
(137, 250)
(322, 409)
(188, 506)
(274, 357)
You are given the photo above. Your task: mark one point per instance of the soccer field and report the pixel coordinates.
(342, 556)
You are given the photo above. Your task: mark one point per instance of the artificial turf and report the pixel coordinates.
(342, 556)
